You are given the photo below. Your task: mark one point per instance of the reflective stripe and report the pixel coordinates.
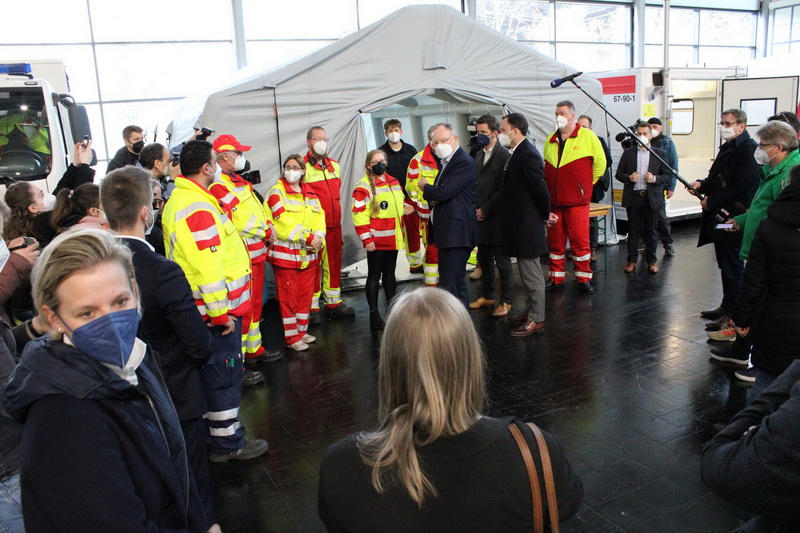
(292, 320)
(582, 257)
(244, 298)
(191, 208)
(222, 415)
(332, 294)
(303, 316)
(205, 234)
(558, 274)
(359, 204)
(252, 344)
(225, 432)
(215, 286)
(365, 236)
(384, 233)
(587, 275)
(296, 232)
(290, 332)
(557, 257)
(216, 305)
(238, 283)
(251, 225)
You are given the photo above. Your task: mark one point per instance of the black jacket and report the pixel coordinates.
(731, 184)
(172, 326)
(397, 162)
(452, 197)
(11, 340)
(525, 203)
(489, 194)
(628, 165)
(600, 188)
(756, 468)
(98, 454)
(479, 475)
(122, 158)
(769, 301)
(75, 176)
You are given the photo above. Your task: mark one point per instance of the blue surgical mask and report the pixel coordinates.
(482, 140)
(110, 338)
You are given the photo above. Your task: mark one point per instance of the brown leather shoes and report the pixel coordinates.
(502, 310)
(652, 268)
(481, 302)
(519, 319)
(528, 328)
(629, 268)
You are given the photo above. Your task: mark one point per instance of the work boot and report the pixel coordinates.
(252, 448)
(252, 377)
(315, 319)
(338, 312)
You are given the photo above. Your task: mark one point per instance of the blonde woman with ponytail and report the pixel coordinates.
(435, 463)
(378, 209)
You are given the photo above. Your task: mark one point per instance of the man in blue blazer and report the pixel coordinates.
(452, 197)
(643, 196)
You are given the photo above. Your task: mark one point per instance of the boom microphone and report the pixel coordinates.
(558, 82)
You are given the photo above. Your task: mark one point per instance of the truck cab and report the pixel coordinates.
(38, 128)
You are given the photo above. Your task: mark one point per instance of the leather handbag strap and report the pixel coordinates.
(549, 483)
(536, 492)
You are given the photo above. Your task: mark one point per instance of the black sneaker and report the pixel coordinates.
(252, 377)
(315, 319)
(747, 375)
(252, 448)
(727, 356)
(586, 288)
(669, 250)
(340, 311)
(271, 355)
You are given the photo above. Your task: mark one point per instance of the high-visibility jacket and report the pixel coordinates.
(324, 178)
(378, 217)
(571, 175)
(423, 164)
(236, 197)
(297, 218)
(200, 237)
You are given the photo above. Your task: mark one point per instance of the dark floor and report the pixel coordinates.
(621, 377)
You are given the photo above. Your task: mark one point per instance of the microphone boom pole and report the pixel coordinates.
(625, 128)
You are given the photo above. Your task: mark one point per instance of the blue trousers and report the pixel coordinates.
(452, 272)
(11, 506)
(222, 381)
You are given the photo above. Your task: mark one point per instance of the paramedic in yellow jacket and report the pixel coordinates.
(200, 237)
(378, 209)
(299, 225)
(424, 165)
(573, 161)
(235, 195)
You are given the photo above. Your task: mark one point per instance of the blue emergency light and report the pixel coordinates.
(15, 68)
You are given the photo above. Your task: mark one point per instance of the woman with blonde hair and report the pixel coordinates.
(378, 209)
(435, 463)
(102, 448)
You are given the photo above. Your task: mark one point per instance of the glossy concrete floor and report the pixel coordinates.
(621, 377)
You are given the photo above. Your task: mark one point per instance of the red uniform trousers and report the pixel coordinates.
(331, 266)
(573, 225)
(295, 289)
(413, 242)
(430, 265)
(251, 322)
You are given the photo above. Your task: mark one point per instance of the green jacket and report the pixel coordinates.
(773, 180)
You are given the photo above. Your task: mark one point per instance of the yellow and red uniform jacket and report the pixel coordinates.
(296, 218)
(383, 226)
(324, 178)
(571, 174)
(423, 164)
(235, 195)
(200, 237)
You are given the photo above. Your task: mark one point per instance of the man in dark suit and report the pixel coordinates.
(453, 222)
(491, 160)
(524, 215)
(643, 196)
(170, 322)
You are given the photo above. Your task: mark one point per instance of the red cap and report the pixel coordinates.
(227, 143)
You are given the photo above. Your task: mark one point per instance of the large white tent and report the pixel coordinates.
(417, 54)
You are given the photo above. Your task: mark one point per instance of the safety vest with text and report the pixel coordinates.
(571, 173)
(422, 165)
(236, 197)
(200, 237)
(296, 217)
(378, 217)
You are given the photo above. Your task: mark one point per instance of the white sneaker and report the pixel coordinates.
(299, 346)
(309, 338)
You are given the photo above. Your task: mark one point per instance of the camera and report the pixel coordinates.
(722, 215)
(204, 134)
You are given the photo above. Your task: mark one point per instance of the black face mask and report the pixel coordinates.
(378, 168)
(137, 147)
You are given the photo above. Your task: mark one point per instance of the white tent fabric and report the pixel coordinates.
(411, 52)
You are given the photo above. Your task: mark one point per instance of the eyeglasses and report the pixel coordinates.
(728, 124)
(445, 141)
(287, 167)
(764, 146)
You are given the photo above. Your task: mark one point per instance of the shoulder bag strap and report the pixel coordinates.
(536, 492)
(549, 483)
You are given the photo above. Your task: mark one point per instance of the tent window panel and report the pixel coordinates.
(524, 20)
(599, 56)
(311, 19)
(593, 23)
(682, 117)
